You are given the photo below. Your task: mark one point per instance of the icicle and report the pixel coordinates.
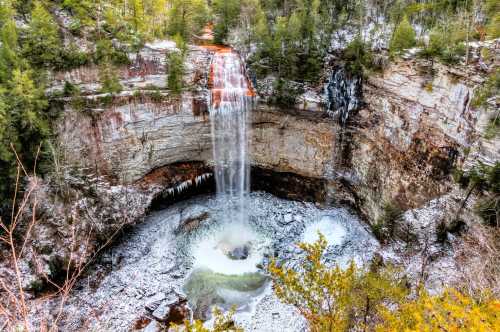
(344, 94)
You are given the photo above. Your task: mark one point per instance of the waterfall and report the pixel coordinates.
(230, 104)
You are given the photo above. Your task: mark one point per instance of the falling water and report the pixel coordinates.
(231, 101)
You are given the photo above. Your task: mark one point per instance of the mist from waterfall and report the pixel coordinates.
(230, 105)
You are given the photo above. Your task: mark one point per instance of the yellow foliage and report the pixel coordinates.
(334, 298)
(451, 311)
(354, 299)
(222, 323)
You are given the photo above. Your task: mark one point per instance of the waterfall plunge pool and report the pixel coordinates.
(190, 249)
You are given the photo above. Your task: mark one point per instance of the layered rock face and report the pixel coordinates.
(412, 132)
(399, 148)
(417, 125)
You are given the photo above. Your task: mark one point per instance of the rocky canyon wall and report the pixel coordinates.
(415, 126)
(145, 144)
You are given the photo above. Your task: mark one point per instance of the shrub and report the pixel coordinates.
(450, 311)
(106, 52)
(376, 299)
(335, 298)
(70, 89)
(285, 93)
(488, 208)
(403, 37)
(359, 57)
(486, 180)
(446, 44)
(72, 57)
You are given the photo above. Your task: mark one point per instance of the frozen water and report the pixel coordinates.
(330, 227)
(212, 251)
(155, 258)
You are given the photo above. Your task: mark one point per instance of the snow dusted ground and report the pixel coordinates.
(158, 256)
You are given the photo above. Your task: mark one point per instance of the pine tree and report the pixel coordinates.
(187, 17)
(43, 45)
(24, 122)
(175, 66)
(226, 13)
(9, 50)
(492, 10)
(403, 37)
(108, 79)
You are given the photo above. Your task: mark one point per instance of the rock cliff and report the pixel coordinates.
(415, 125)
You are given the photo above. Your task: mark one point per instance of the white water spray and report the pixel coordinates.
(230, 104)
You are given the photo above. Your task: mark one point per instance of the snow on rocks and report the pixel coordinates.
(156, 262)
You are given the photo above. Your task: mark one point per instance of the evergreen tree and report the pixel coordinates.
(25, 125)
(226, 15)
(108, 79)
(187, 17)
(42, 45)
(175, 72)
(403, 37)
(335, 298)
(492, 10)
(9, 51)
(175, 66)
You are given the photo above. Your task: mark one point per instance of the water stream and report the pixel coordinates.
(230, 104)
(225, 261)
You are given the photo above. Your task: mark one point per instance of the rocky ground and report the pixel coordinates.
(135, 281)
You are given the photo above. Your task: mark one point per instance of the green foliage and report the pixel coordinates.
(109, 79)
(42, 44)
(359, 57)
(293, 38)
(403, 37)
(446, 45)
(175, 70)
(187, 17)
(488, 208)
(486, 180)
(72, 57)
(489, 89)
(106, 52)
(23, 117)
(384, 227)
(285, 93)
(226, 15)
(9, 51)
(492, 11)
(175, 66)
(70, 90)
(481, 176)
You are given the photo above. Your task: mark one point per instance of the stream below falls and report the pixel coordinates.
(190, 248)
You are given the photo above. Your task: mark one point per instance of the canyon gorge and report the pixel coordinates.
(167, 199)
